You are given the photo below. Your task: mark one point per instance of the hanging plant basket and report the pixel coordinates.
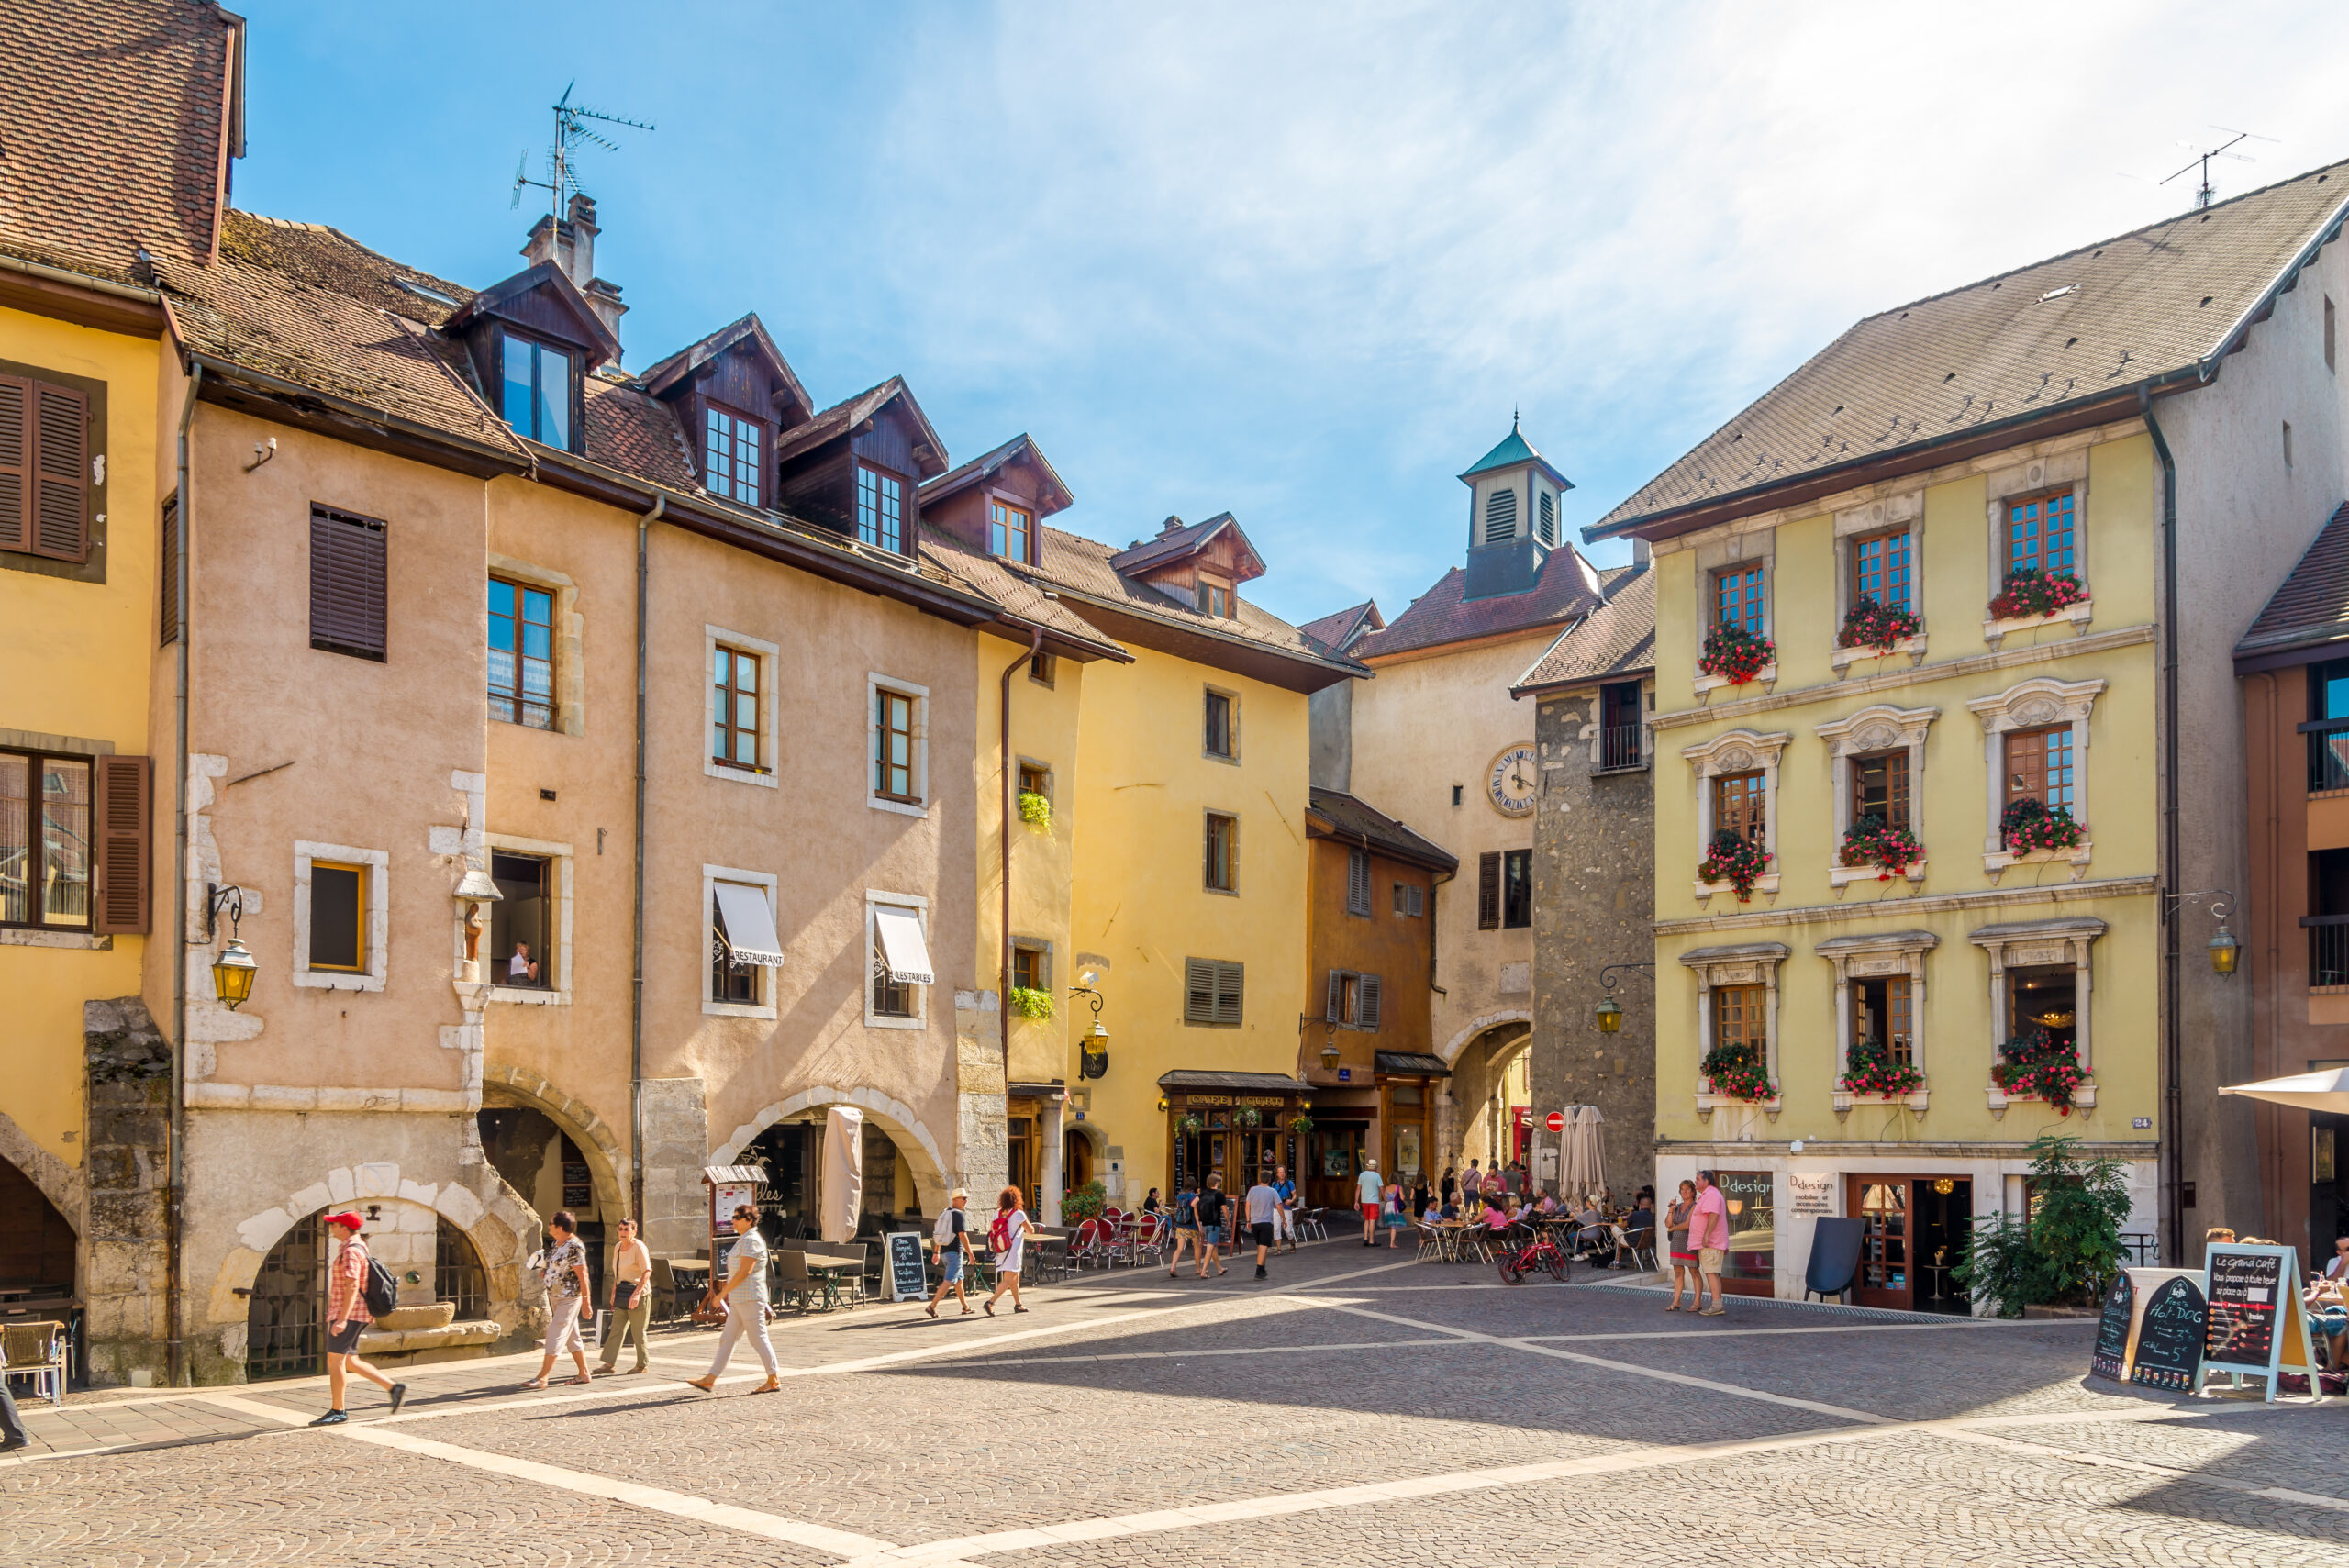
(1868, 842)
(1738, 862)
(1738, 1072)
(1868, 624)
(1031, 1001)
(1036, 810)
(2030, 592)
(1190, 1123)
(1301, 1123)
(1734, 654)
(1247, 1117)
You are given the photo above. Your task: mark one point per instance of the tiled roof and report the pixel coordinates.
(1617, 639)
(1357, 820)
(2311, 607)
(114, 132)
(1567, 590)
(1412, 1063)
(2100, 319)
(1334, 632)
(631, 430)
(1199, 1078)
(987, 576)
(1183, 540)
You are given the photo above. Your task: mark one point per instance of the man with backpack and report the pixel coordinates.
(356, 1289)
(1187, 1231)
(950, 1240)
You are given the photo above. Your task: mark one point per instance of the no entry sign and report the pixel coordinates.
(1555, 1121)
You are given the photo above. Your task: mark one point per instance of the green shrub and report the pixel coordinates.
(2066, 1249)
(1086, 1203)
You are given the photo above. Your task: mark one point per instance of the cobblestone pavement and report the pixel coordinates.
(1356, 1409)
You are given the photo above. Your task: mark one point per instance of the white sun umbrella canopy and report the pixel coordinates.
(1582, 1164)
(2327, 1090)
(843, 1171)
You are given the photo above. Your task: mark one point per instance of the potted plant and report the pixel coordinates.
(2031, 824)
(1870, 842)
(2062, 1254)
(1738, 1072)
(1190, 1123)
(1035, 809)
(1247, 1117)
(1868, 624)
(2040, 1067)
(1738, 862)
(1734, 654)
(1869, 1068)
(1301, 1123)
(1084, 1202)
(1031, 1001)
(2029, 592)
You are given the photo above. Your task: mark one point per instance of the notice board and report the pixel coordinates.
(907, 1279)
(2170, 1329)
(2116, 1326)
(2255, 1326)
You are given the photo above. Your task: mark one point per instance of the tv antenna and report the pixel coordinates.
(2202, 155)
(571, 132)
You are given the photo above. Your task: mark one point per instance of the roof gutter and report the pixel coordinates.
(2326, 232)
(80, 280)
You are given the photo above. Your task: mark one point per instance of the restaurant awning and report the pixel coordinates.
(1405, 1064)
(719, 1175)
(747, 923)
(1261, 1083)
(2325, 1090)
(898, 934)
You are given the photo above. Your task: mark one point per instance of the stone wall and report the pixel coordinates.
(1593, 903)
(127, 1140)
(982, 1152)
(676, 1147)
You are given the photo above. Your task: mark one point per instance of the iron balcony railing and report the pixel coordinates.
(2327, 771)
(2328, 951)
(1619, 746)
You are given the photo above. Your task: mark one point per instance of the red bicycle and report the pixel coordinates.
(1519, 1257)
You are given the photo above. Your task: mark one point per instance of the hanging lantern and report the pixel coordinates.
(1610, 1015)
(233, 974)
(2225, 952)
(1093, 1052)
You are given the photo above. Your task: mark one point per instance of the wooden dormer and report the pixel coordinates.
(858, 467)
(733, 395)
(533, 341)
(996, 502)
(1199, 564)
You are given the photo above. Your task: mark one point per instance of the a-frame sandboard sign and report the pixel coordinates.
(2256, 1326)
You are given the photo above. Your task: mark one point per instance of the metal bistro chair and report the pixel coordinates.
(792, 1278)
(1635, 1247)
(37, 1351)
(1434, 1243)
(1307, 1223)
(1084, 1248)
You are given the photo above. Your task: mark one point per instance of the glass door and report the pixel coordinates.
(1881, 1204)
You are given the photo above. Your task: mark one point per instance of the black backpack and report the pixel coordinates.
(381, 1290)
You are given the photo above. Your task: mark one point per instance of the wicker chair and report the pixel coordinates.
(37, 1351)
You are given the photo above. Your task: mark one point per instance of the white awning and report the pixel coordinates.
(750, 925)
(898, 931)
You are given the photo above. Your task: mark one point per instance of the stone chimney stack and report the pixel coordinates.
(1641, 552)
(570, 244)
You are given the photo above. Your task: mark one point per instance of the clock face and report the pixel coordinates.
(1510, 785)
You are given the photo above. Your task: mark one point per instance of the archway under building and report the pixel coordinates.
(903, 1176)
(556, 1155)
(37, 1243)
(1479, 1117)
(285, 1313)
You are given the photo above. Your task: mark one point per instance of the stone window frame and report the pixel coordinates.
(559, 858)
(878, 899)
(1868, 956)
(769, 775)
(1892, 513)
(2037, 944)
(379, 917)
(1751, 547)
(711, 1007)
(2049, 475)
(1738, 752)
(1879, 727)
(569, 632)
(2036, 704)
(875, 684)
(1745, 963)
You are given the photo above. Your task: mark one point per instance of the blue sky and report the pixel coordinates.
(1298, 262)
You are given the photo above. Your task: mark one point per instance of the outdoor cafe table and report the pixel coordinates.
(829, 1267)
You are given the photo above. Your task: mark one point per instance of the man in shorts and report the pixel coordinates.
(1212, 1206)
(1708, 1239)
(347, 1319)
(1285, 1216)
(1367, 1188)
(1263, 1203)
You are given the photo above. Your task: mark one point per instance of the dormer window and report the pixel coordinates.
(537, 380)
(1009, 527)
(880, 508)
(1214, 600)
(732, 453)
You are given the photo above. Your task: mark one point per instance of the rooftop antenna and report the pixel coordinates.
(571, 130)
(2202, 155)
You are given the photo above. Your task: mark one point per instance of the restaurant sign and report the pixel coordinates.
(1272, 1102)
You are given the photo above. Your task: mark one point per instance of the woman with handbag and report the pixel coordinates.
(631, 1300)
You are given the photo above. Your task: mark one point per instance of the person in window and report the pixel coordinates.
(522, 969)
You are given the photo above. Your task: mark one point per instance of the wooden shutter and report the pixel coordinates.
(61, 473)
(169, 575)
(1228, 978)
(1488, 891)
(1337, 1007)
(1368, 994)
(1198, 991)
(122, 859)
(1358, 881)
(347, 570)
(2026, 765)
(16, 463)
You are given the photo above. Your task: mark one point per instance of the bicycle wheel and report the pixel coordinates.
(1510, 1272)
(1554, 1261)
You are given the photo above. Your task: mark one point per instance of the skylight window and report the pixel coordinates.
(423, 293)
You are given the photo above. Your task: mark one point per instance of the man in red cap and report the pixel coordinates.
(347, 1316)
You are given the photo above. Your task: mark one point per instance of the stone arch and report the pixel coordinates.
(900, 1121)
(1476, 1071)
(59, 1183)
(1478, 1025)
(491, 1214)
(606, 1165)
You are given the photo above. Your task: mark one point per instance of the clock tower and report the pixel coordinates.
(1514, 504)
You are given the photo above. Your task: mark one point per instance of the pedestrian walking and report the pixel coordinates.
(348, 1317)
(1285, 1216)
(950, 1240)
(1187, 1231)
(568, 1298)
(1391, 1215)
(1368, 1191)
(1008, 1240)
(1263, 1203)
(1214, 1205)
(743, 1298)
(1708, 1235)
(1449, 1192)
(631, 1300)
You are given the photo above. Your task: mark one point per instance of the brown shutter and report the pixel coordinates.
(1488, 891)
(120, 907)
(1198, 990)
(347, 568)
(1369, 1001)
(61, 473)
(168, 575)
(2027, 765)
(16, 464)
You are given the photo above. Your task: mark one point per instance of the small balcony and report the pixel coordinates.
(2327, 953)
(2328, 739)
(1618, 748)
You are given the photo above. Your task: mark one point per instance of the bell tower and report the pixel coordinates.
(1515, 505)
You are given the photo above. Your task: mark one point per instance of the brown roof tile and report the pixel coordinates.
(1350, 817)
(2311, 607)
(985, 575)
(1617, 639)
(2095, 320)
(1567, 590)
(1337, 632)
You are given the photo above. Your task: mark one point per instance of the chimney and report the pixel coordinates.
(570, 244)
(1642, 551)
(1169, 526)
(604, 299)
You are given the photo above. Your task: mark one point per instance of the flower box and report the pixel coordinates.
(1765, 890)
(1845, 1101)
(2029, 599)
(1843, 659)
(1734, 862)
(1708, 1103)
(2083, 1098)
(1706, 686)
(1876, 628)
(1840, 879)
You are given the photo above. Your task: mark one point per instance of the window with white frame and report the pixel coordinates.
(744, 744)
(1880, 996)
(738, 913)
(341, 916)
(2040, 981)
(898, 716)
(896, 943)
(1737, 1009)
(1877, 767)
(528, 954)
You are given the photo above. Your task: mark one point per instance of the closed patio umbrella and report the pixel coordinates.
(2327, 1090)
(843, 1171)
(1592, 1129)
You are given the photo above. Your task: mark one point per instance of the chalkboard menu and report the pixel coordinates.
(2111, 1358)
(2243, 1291)
(2169, 1338)
(907, 1279)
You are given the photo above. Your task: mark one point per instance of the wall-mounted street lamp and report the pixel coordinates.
(1609, 1012)
(2224, 951)
(233, 970)
(1092, 1051)
(1330, 1054)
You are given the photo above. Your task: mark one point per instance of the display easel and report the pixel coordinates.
(2254, 1295)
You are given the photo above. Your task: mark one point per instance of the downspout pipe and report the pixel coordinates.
(1010, 810)
(636, 988)
(175, 1115)
(2173, 1043)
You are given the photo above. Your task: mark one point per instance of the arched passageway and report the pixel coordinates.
(37, 1242)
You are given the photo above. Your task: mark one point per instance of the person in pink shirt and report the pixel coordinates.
(1708, 1239)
